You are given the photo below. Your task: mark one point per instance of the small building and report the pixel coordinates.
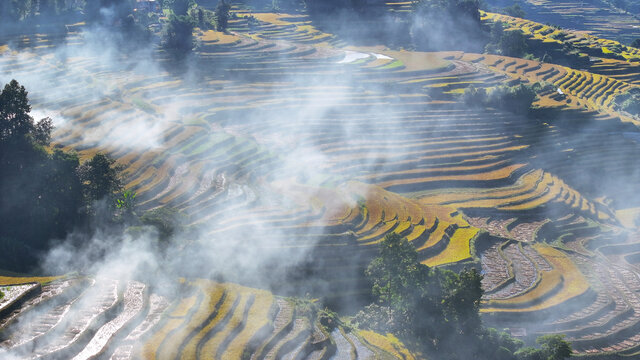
(517, 332)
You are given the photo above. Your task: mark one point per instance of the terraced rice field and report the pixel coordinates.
(279, 139)
(211, 321)
(590, 16)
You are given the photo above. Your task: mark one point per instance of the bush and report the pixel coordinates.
(629, 102)
(517, 99)
(513, 43)
(179, 33)
(203, 18)
(514, 10)
(166, 220)
(222, 15)
(473, 96)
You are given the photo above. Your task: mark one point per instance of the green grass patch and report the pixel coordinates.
(394, 65)
(214, 140)
(143, 105)
(196, 121)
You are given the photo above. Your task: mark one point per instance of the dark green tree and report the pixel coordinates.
(396, 273)
(530, 353)
(222, 15)
(41, 192)
(15, 121)
(100, 178)
(181, 7)
(462, 301)
(179, 33)
(513, 43)
(436, 307)
(514, 10)
(517, 99)
(554, 347)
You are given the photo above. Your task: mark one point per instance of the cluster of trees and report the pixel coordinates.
(49, 193)
(185, 16)
(20, 10)
(629, 102)
(516, 99)
(506, 42)
(437, 310)
(45, 194)
(14, 11)
(514, 10)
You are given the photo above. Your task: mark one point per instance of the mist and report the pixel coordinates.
(263, 144)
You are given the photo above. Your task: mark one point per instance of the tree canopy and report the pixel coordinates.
(45, 193)
(436, 310)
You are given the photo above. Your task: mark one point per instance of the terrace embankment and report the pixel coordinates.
(282, 141)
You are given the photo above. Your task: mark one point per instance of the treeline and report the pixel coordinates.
(15, 11)
(628, 101)
(436, 311)
(47, 193)
(517, 99)
(21, 10)
(184, 16)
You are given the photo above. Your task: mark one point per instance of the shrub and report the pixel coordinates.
(629, 102)
(517, 99)
(166, 220)
(222, 15)
(179, 33)
(473, 96)
(514, 10)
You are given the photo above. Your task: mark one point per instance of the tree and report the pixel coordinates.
(100, 177)
(179, 33)
(396, 273)
(432, 305)
(513, 43)
(42, 131)
(555, 347)
(41, 192)
(636, 43)
(530, 353)
(15, 121)
(517, 99)
(181, 7)
(126, 202)
(167, 221)
(222, 15)
(473, 96)
(462, 301)
(514, 10)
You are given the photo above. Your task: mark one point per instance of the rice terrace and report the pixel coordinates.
(309, 179)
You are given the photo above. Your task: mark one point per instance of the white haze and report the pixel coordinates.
(241, 254)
